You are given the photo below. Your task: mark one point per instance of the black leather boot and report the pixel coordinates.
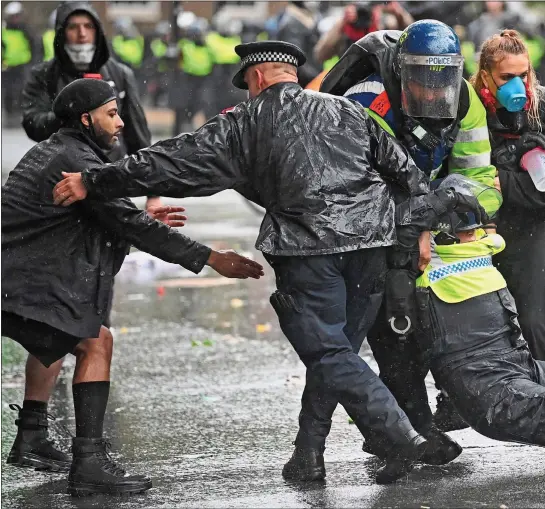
(32, 447)
(93, 471)
(401, 460)
(442, 450)
(305, 464)
(446, 417)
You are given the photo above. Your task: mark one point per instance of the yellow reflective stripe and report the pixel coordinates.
(380, 121)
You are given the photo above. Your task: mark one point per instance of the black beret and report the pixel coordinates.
(81, 96)
(253, 53)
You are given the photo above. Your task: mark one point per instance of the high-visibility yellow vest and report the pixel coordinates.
(195, 60)
(158, 48)
(48, 39)
(17, 49)
(459, 272)
(329, 63)
(223, 48)
(130, 51)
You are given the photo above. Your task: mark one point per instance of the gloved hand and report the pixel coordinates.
(528, 141)
(466, 203)
(448, 200)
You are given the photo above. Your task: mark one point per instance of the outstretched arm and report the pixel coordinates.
(195, 164)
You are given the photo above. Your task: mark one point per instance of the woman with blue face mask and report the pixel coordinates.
(515, 104)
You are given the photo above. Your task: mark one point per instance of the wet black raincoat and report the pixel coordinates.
(49, 78)
(317, 163)
(58, 263)
(521, 222)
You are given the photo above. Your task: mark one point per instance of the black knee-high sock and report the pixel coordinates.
(35, 406)
(90, 400)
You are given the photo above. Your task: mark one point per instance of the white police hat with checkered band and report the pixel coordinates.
(254, 53)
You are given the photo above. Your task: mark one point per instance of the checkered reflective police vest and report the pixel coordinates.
(458, 272)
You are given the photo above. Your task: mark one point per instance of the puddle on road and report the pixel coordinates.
(148, 289)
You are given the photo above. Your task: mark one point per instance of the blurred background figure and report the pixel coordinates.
(191, 90)
(298, 24)
(498, 15)
(157, 66)
(128, 48)
(48, 38)
(356, 21)
(182, 53)
(18, 53)
(226, 33)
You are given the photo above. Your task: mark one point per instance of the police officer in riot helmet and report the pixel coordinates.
(412, 84)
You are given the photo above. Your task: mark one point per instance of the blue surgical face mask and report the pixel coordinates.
(512, 95)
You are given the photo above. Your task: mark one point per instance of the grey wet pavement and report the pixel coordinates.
(205, 397)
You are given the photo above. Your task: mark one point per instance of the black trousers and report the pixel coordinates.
(403, 369)
(325, 306)
(487, 369)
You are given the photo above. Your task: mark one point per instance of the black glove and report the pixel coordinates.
(528, 141)
(448, 200)
(465, 203)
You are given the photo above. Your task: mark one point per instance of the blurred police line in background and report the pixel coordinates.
(182, 53)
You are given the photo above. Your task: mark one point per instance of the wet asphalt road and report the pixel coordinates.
(205, 397)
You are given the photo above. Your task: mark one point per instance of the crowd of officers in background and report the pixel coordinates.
(188, 68)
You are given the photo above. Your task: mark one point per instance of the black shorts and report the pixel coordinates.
(46, 343)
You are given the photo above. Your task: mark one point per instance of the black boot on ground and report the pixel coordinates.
(305, 464)
(401, 460)
(446, 417)
(442, 449)
(32, 447)
(93, 471)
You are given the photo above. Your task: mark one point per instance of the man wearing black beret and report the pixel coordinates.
(322, 170)
(58, 267)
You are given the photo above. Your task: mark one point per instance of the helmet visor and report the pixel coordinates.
(430, 85)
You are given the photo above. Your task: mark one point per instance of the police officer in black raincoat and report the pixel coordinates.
(320, 167)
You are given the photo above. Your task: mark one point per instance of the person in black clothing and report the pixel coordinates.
(298, 26)
(81, 49)
(58, 267)
(514, 131)
(321, 168)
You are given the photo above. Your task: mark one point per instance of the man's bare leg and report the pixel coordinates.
(39, 380)
(92, 469)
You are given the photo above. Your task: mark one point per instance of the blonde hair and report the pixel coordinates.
(494, 50)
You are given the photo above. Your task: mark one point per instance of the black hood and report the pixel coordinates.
(102, 53)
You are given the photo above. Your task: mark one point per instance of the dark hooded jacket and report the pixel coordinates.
(317, 163)
(49, 78)
(58, 263)
(298, 26)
